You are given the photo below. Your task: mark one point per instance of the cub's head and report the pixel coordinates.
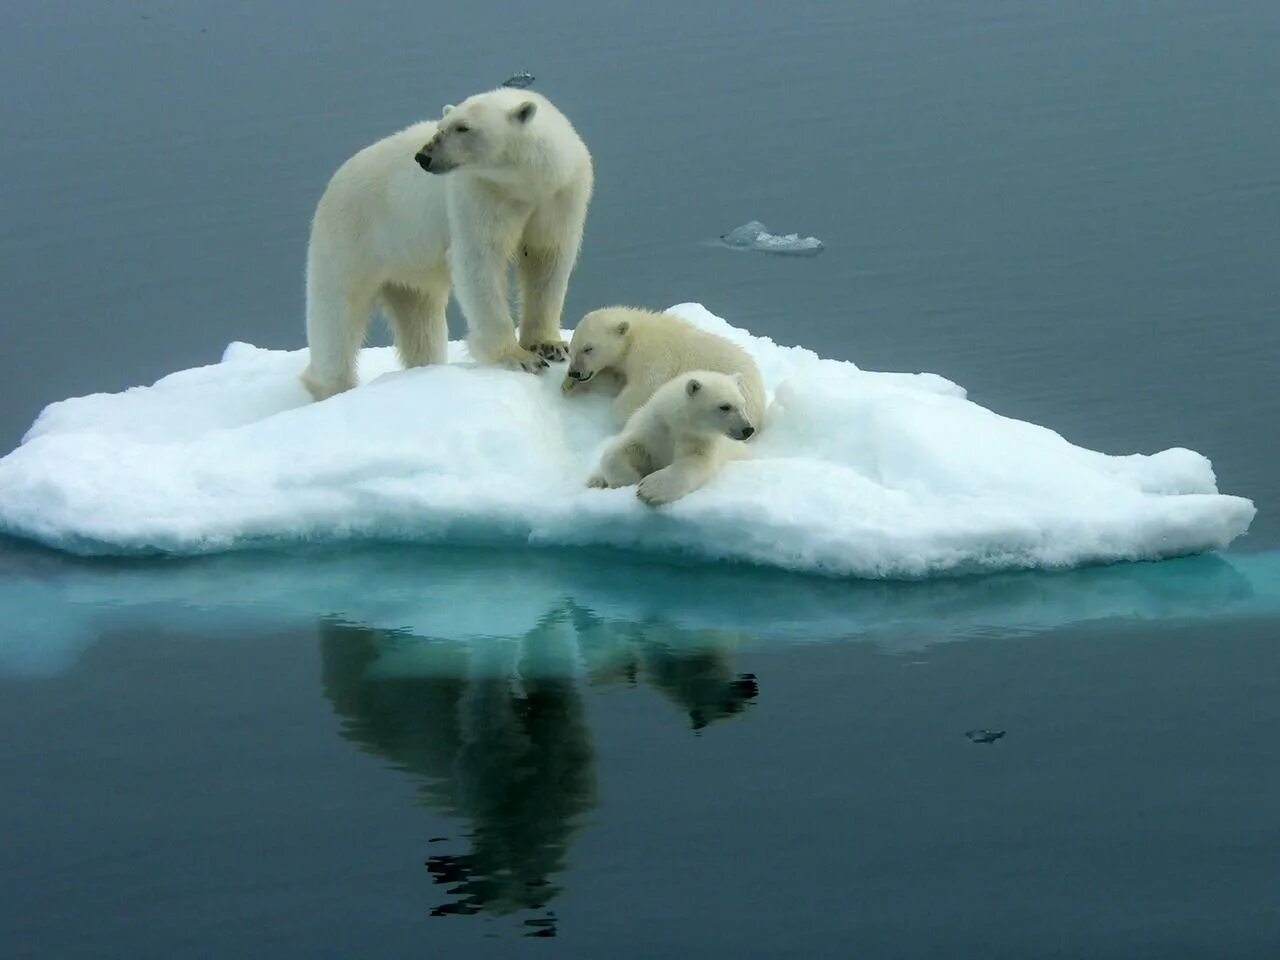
(599, 342)
(715, 403)
(483, 132)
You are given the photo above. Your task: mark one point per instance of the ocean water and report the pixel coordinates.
(1071, 209)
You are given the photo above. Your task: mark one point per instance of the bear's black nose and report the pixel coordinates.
(424, 161)
(747, 432)
(574, 374)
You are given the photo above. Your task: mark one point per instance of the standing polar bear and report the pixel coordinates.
(675, 443)
(633, 352)
(501, 177)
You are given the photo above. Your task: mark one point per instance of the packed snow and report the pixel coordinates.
(856, 474)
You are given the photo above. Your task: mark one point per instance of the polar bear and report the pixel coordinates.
(630, 353)
(501, 177)
(679, 439)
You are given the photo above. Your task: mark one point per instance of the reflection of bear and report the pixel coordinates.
(702, 682)
(519, 765)
(698, 676)
(497, 731)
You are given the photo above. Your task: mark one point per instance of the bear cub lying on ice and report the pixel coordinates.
(630, 353)
(678, 440)
(502, 177)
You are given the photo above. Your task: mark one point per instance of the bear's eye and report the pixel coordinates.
(587, 349)
(725, 407)
(462, 128)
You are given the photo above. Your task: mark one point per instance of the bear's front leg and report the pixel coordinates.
(544, 259)
(680, 479)
(544, 279)
(478, 264)
(629, 399)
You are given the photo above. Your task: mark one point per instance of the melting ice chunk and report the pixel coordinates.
(856, 474)
(754, 235)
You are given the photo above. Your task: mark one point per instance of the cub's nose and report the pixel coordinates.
(574, 374)
(424, 161)
(747, 432)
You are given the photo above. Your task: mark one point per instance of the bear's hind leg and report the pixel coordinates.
(336, 328)
(418, 320)
(623, 465)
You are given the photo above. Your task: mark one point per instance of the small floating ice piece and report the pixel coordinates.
(984, 736)
(754, 235)
(519, 81)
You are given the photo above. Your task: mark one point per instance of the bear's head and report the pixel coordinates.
(714, 403)
(599, 343)
(483, 133)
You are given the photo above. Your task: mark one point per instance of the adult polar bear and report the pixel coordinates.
(507, 178)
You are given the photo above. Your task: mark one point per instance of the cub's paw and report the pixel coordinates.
(597, 481)
(660, 488)
(518, 358)
(553, 351)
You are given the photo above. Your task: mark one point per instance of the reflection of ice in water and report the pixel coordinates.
(52, 614)
(754, 235)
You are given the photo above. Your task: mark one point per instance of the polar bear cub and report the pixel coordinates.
(678, 440)
(632, 352)
(502, 177)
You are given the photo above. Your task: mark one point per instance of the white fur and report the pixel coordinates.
(387, 231)
(630, 353)
(678, 440)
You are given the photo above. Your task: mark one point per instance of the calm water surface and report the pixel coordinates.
(1071, 209)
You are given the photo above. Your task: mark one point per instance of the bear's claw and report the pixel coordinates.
(554, 351)
(521, 359)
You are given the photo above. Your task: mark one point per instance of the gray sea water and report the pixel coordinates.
(1072, 209)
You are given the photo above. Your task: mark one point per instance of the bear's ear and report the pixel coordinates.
(447, 108)
(623, 327)
(693, 387)
(524, 113)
